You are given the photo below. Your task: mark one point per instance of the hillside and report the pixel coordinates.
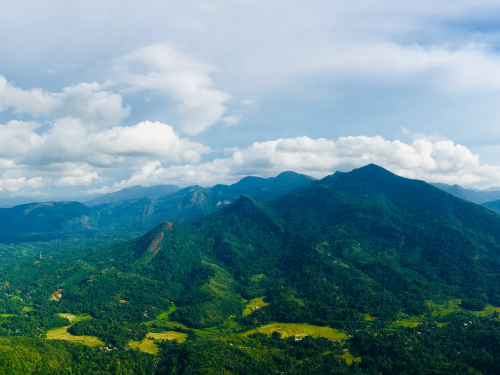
(405, 238)
(134, 192)
(494, 206)
(363, 253)
(265, 189)
(39, 221)
(133, 211)
(471, 195)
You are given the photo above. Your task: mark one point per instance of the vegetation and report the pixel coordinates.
(63, 334)
(362, 272)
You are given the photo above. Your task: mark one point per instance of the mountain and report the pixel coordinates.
(140, 215)
(39, 221)
(192, 203)
(135, 192)
(493, 188)
(366, 241)
(133, 211)
(366, 254)
(471, 195)
(494, 206)
(265, 189)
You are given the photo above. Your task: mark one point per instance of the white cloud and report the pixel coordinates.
(71, 154)
(231, 120)
(86, 101)
(180, 77)
(473, 66)
(428, 158)
(69, 140)
(84, 180)
(23, 184)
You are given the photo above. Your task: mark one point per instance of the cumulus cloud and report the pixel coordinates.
(425, 157)
(86, 101)
(180, 77)
(69, 140)
(72, 154)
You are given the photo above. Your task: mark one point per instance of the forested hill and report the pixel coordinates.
(194, 202)
(135, 192)
(474, 196)
(39, 221)
(360, 252)
(133, 211)
(265, 189)
(361, 242)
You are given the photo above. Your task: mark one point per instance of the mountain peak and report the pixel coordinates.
(244, 205)
(372, 169)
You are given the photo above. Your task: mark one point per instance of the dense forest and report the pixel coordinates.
(362, 272)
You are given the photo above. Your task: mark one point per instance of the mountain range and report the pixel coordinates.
(364, 254)
(132, 211)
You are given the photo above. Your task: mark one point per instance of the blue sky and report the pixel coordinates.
(97, 97)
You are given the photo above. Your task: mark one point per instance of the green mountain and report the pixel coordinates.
(265, 189)
(192, 203)
(133, 211)
(39, 221)
(365, 253)
(471, 195)
(134, 192)
(352, 243)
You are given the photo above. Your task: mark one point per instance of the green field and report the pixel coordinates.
(148, 344)
(453, 305)
(349, 358)
(412, 322)
(368, 317)
(442, 309)
(300, 330)
(254, 304)
(165, 314)
(75, 318)
(63, 334)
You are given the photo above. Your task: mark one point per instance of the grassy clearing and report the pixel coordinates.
(489, 310)
(254, 304)
(368, 317)
(148, 344)
(6, 315)
(453, 305)
(441, 325)
(257, 278)
(165, 314)
(349, 358)
(63, 334)
(171, 335)
(443, 309)
(300, 330)
(412, 322)
(27, 308)
(75, 318)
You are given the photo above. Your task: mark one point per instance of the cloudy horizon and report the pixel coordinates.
(98, 97)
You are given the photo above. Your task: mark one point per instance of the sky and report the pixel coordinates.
(99, 96)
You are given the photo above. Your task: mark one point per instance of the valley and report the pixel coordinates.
(360, 272)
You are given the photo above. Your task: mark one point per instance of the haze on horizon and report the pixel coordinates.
(96, 97)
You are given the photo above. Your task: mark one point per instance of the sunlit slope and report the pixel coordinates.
(353, 243)
(41, 221)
